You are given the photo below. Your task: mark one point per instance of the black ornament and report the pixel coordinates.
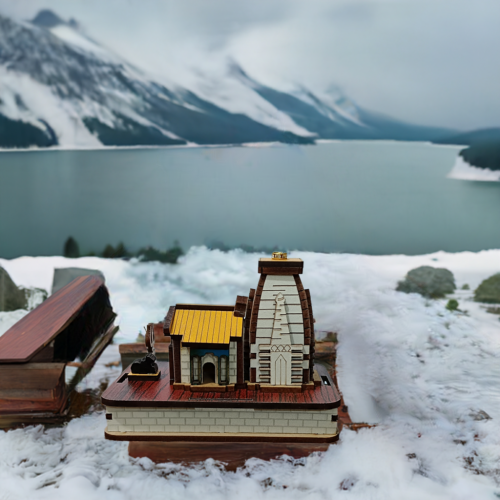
(145, 365)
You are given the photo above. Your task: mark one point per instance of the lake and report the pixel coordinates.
(352, 196)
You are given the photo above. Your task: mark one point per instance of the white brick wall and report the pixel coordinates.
(185, 368)
(221, 420)
(232, 362)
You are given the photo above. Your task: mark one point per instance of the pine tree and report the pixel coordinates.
(71, 248)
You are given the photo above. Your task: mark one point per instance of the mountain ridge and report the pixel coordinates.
(61, 88)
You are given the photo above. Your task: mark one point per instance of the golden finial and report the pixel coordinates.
(279, 256)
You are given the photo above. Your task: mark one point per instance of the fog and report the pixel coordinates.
(429, 62)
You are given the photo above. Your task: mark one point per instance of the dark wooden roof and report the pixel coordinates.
(160, 394)
(39, 327)
(276, 266)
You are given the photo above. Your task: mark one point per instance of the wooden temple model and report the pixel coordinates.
(266, 338)
(241, 373)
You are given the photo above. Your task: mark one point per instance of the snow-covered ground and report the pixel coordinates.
(463, 171)
(430, 378)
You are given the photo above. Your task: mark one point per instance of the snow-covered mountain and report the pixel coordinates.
(60, 87)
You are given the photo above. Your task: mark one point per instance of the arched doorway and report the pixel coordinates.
(209, 373)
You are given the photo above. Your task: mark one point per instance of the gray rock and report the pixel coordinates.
(65, 275)
(34, 296)
(479, 415)
(11, 297)
(428, 281)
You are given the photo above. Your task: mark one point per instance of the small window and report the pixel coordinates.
(223, 370)
(195, 369)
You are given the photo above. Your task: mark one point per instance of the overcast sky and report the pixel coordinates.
(432, 62)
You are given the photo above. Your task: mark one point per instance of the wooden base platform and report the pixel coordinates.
(233, 455)
(227, 437)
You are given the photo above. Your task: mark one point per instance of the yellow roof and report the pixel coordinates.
(206, 327)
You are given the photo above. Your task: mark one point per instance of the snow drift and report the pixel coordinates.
(429, 377)
(463, 171)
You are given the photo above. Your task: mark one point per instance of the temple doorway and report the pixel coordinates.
(209, 373)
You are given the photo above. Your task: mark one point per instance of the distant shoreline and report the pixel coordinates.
(272, 144)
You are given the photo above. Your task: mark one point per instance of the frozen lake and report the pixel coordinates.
(359, 197)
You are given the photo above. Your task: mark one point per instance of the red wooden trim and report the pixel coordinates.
(313, 342)
(248, 312)
(222, 437)
(160, 394)
(308, 294)
(233, 455)
(298, 282)
(282, 271)
(240, 306)
(168, 320)
(240, 367)
(246, 334)
(39, 327)
(283, 265)
(177, 358)
(255, 308)
(204, 307)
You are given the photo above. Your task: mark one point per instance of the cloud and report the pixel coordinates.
(431, 62)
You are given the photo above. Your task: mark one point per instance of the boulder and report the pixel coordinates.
(489, 290)
(65, 275)
(11, 297)
(431, 282)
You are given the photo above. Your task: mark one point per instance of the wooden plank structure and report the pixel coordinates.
(233, 454)
(161, 394)
(72, 327)
(241, 380)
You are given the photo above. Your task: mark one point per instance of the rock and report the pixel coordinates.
(428, 281)
(34, 296)
(65, 275)
(479, 415)
(489, 290)
(11, 297)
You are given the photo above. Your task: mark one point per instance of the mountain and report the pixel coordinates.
(60, 87)
(475, 137)
(332, 115)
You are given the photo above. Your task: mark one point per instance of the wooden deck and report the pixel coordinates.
(235, 454)
(160, 394)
